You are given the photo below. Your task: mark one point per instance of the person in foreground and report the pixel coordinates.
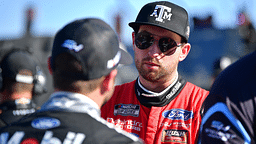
(159, 106)
(84, 58)
(229, 114)
(21, 79)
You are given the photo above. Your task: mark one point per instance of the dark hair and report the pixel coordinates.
(65, 64)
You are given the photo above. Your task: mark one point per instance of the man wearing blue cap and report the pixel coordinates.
(159, 106)
(84, 58)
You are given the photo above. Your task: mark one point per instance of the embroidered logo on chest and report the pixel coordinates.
(178, 114)
(127, 110)
(178, 136)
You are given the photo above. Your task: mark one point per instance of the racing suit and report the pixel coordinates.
(230, 109)
(68, 118)
(171, 117)
(12, 111)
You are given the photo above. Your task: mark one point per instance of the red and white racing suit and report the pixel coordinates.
(176, 122)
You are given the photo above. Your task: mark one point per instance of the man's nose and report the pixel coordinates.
(154, 50)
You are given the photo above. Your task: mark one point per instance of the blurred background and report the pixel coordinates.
(222, 31)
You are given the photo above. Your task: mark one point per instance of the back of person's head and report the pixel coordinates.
(20, 73)
(66, 63)
(85, 50)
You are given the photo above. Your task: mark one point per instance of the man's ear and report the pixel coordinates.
(109, 81)
(49, 65)
(184, 51)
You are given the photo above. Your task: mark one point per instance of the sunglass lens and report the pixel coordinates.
(166, 43)
(144, 41)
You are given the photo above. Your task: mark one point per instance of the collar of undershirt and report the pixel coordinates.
(149, 98)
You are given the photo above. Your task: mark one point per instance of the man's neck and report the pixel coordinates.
(13, 96)
(158, 86)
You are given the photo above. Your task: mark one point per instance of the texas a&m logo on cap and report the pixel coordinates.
(162, 13)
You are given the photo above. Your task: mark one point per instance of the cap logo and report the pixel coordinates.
(72, 45)
(111, 63)
(162, 13)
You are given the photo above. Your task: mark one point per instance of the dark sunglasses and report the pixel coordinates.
(144, 40)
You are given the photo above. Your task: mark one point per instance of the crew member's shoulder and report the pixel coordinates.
(107, 132)
(242, 71)
(125, 86)
(19, 125)
(195, 88)
(93, 129)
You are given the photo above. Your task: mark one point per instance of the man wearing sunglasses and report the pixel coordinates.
(159, 106)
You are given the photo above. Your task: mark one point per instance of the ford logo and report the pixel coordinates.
(45, 123)
(178, 114)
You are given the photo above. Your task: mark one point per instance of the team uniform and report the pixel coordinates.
(14, 110)
(229, 115)
(172, 116)
(15, 100)
(68, 118)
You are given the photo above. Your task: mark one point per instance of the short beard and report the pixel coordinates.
(151, 76)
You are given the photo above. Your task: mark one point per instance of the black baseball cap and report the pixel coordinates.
(164, 15)
(94, 44)
(15, 61)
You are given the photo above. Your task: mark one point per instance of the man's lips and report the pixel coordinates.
(150, 64)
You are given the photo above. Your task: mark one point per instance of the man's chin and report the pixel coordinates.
(152, 77)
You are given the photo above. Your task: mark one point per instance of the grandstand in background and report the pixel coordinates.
(208, 45)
